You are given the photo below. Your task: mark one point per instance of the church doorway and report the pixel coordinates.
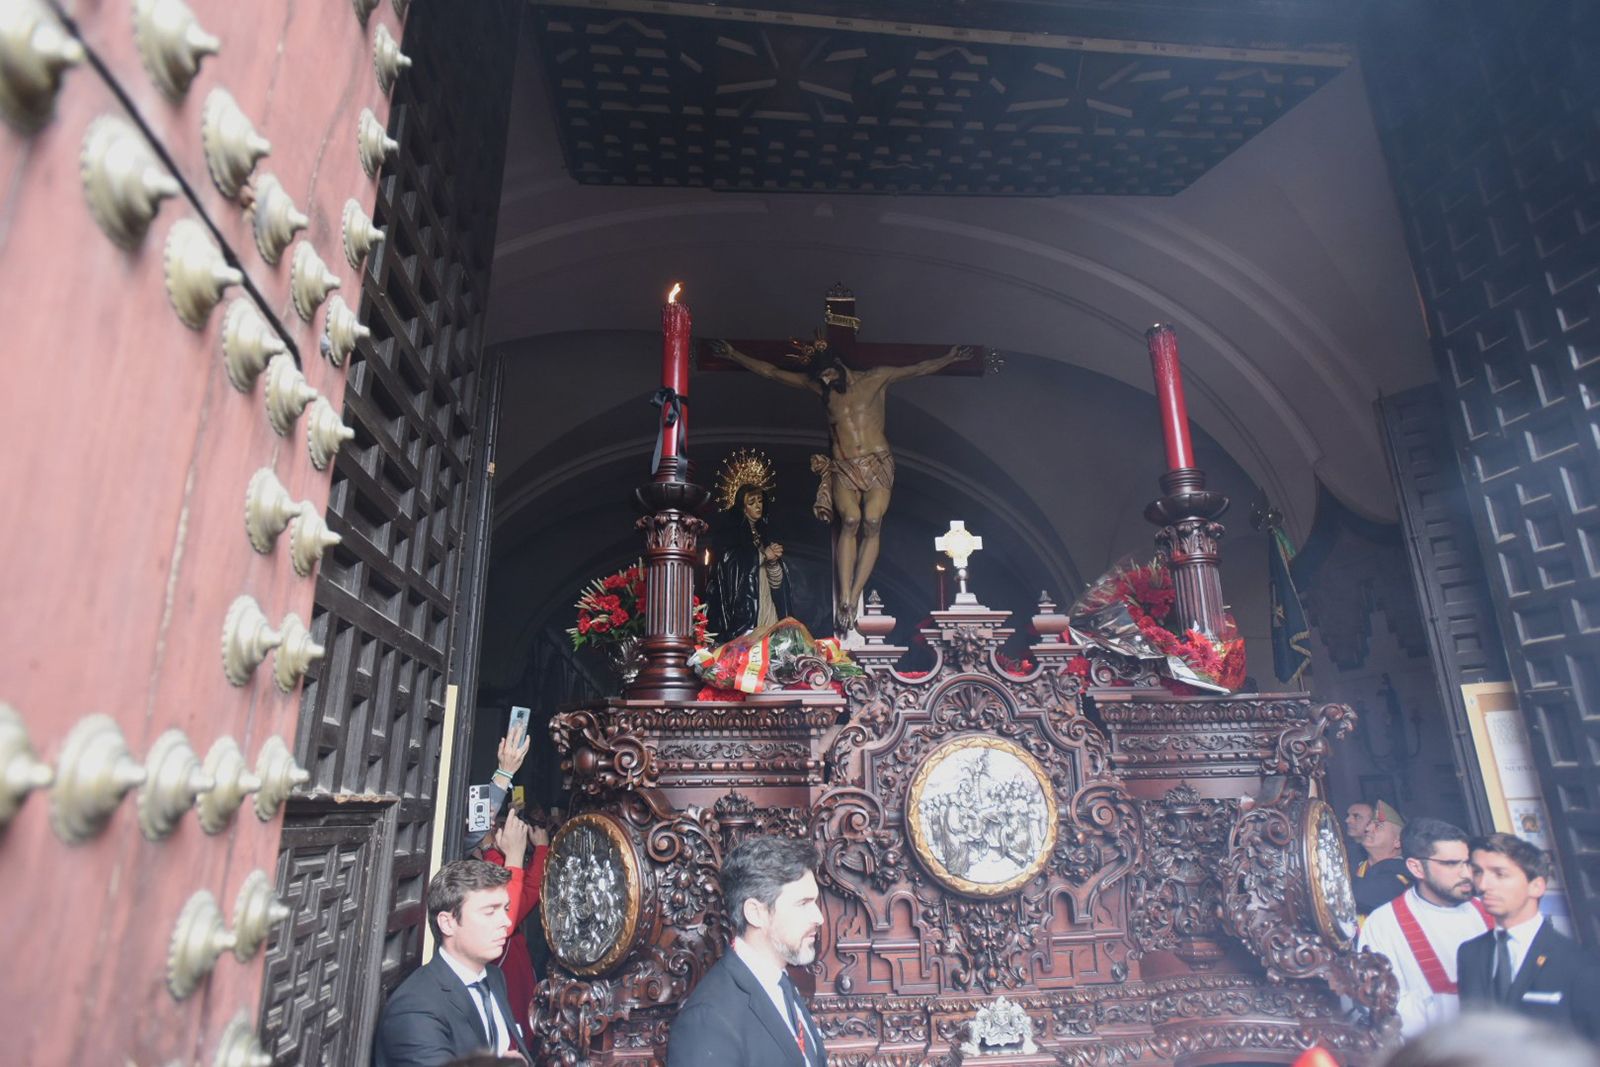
(1052, 460)
(480, 435)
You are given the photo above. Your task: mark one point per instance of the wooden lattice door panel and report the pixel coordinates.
(333, 873)
(1491, 119)
(130, 457)
(1446, 566)
(371, 722)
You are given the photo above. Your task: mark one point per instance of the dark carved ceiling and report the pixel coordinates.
(1000, 99)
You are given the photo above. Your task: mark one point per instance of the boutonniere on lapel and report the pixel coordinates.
(1539, 962)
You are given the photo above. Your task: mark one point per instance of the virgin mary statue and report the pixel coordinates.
(747, 594)
(749, 583)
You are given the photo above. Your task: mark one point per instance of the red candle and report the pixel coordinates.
(1163, 343)
(675, 327)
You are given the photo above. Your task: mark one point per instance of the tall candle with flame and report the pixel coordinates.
(675, 329)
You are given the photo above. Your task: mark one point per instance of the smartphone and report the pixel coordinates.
(519, 717)
(480, 813)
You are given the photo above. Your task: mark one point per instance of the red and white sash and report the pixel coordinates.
(1422, 949)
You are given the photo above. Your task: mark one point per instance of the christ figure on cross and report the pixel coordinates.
(856, 480)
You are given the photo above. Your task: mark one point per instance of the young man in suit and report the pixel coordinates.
(1524, 964)
(746, 1012)
(456, 1003)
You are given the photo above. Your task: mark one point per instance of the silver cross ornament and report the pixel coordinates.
(959, 543)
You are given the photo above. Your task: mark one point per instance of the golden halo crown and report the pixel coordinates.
(746, 467)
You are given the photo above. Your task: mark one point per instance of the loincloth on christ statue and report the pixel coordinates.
(875, 470)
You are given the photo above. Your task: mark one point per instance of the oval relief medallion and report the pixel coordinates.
(982, 815)
(591, 894)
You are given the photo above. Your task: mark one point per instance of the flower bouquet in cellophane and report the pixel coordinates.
(1129, 610)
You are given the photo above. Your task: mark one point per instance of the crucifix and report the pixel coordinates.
(852, 379)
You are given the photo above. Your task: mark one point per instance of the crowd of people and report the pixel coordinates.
(1458, 917)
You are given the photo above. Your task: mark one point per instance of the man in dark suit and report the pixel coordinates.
(1524, 964)
(746, 1012)
(456, 1003)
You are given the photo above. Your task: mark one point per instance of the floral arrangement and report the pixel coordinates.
(611, 610)
(775, 658)
(1128, 610)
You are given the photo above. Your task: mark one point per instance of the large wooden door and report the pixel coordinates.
(1490, 116)
(129, 262)
(394, 601)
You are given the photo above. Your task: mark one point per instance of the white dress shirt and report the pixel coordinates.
(463, 972)
(1521, 936)
(768, 975)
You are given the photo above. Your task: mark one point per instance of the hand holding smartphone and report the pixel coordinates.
(514, 745)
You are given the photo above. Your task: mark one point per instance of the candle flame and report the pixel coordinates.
(672, 297)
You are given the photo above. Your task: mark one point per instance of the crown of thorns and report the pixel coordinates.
(807, 352)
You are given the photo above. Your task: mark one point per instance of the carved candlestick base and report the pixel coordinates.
(672, 533)
(1187, 540)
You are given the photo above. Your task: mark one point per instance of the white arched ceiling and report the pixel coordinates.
(1283, 269)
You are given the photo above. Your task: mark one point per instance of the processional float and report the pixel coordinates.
(1068, 865)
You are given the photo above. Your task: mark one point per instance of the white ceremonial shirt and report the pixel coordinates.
(464, 973)
(1446, 929)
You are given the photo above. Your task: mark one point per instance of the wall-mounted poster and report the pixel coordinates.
(1505, 756)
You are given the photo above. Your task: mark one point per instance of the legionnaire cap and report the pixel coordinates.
(1382, 812)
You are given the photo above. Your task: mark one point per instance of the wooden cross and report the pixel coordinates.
(841, 325)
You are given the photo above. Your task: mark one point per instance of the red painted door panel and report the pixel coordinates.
(128, 454)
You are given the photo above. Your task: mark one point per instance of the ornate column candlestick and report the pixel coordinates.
(671, 527)
(1187, 511)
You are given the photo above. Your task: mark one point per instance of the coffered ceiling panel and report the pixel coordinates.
(684, 94)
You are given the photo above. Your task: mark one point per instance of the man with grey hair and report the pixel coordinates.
(746, 1012)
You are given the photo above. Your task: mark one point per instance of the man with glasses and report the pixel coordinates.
(1420, 930)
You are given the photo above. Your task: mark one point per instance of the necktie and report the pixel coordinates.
(481, 988)
(1502, 965)
(797, 1023)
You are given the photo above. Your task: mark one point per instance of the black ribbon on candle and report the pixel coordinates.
(671, 402)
